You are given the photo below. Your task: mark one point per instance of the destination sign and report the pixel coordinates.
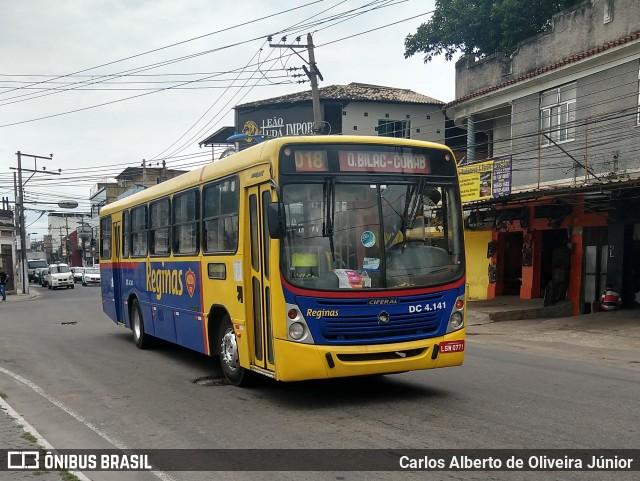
(311, 161)
(397, 163)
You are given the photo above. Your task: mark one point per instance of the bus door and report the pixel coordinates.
(258, 289)
(117, 271)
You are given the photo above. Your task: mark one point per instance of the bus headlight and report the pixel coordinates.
(296, 331)
(456, 319)
(297, 327)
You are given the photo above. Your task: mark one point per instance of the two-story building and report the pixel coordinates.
(353, 109)
(551, 177)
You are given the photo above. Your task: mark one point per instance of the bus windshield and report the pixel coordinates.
(355, 235)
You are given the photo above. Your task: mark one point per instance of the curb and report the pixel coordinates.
(21, 422)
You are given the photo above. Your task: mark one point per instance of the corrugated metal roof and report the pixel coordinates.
(607, 185)
(352, 92)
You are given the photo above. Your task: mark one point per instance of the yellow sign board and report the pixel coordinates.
(485, 180)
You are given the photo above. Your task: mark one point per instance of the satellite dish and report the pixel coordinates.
(67, 204)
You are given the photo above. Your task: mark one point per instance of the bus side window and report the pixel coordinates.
(139, 231)
(105, 238)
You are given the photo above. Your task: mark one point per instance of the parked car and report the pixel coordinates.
(59, 275)
(40, 276)
(91, 275)
(77, 273)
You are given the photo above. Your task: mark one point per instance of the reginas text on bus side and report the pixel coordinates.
(164, 281)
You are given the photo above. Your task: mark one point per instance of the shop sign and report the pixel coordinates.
(485, 180)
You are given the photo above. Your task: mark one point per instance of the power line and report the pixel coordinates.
(243, 24)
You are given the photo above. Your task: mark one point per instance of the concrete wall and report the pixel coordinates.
(576, 31)
(474, 74)
(572, 32)
(475, 243)
(427, 121)
(526, 163)
(502, 143)
(605, 133)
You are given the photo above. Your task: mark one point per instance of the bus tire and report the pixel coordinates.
(229, 356)
(142, 340)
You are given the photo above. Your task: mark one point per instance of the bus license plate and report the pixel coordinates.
(451, 346)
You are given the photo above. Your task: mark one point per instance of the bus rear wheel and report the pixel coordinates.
(142, 340)
(229, 356)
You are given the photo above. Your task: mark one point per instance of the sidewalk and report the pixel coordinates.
(14, 436)
(19, 296)
(608, 338)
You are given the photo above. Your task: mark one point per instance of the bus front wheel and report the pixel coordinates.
(142, 340)
(229, 357)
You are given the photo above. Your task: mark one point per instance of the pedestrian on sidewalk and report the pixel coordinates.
(4, 280)
(610, 300)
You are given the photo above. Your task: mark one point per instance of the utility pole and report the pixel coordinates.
(144, 173)
(66, 241)
(24, 274)
(313, 74)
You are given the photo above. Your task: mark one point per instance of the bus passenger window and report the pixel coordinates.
(139, 231)
(105, 238)
(220, 216)
(185, 222)
(159, 227)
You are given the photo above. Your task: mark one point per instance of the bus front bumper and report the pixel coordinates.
(298, 362)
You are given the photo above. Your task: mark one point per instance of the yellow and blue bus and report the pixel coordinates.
(299, 258)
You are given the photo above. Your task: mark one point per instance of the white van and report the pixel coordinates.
(59, 275)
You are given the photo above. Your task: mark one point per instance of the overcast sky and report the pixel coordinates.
(149, 79)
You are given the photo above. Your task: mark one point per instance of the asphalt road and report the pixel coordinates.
(85, 385)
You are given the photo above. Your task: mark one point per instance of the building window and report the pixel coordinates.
(608, 11)
(638, 120)
(394, 128)
(558, 114)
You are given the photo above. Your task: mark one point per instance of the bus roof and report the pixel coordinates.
(250, 158)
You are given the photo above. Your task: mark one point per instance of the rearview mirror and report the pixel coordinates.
(276, 220)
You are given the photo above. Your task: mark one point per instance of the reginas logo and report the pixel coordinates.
(191, 282)
(164, 281)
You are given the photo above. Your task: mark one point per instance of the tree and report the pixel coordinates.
(481, 27)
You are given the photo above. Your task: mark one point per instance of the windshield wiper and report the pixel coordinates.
(412, 202)
(328, 195)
